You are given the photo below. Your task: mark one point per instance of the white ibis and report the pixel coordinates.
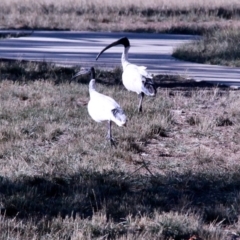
(103, 108)
(135, 78)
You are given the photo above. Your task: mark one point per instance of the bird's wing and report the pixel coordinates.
(111, 110)
(142, 70)
(119, 116)
(105, 103)
(100, 106)
(148, 86)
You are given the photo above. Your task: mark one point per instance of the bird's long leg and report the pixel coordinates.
(141, 95)
(109, 134)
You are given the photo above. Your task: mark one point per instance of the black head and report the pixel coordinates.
(124, 41)
(92, 70)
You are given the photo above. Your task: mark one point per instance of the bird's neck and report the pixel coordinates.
(92, 93)
(92, 86)
(124, 58)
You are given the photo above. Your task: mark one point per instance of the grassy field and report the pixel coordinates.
(175, 172)
(173, 175)
(187, 16)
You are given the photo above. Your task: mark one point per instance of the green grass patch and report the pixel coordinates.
(218, 47)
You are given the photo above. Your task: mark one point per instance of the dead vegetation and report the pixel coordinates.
(152, 16)
(173, 175)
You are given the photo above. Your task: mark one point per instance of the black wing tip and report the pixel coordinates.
(150, 86)
(116, 111)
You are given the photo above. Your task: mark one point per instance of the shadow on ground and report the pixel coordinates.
(120, 194)
(180, 83)
(25, 71)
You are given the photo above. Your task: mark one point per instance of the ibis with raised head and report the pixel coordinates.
(135, 78)
(102, 107)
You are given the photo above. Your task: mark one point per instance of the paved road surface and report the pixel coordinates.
(80, 48)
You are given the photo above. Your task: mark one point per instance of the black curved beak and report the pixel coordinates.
(124, 41)
(81, 72)
(84, 71)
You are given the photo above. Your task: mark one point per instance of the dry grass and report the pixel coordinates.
(220, 48)
(174, 173)
(152, 16)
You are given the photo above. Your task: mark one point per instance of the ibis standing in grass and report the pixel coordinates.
(103, 108)
(135, 78)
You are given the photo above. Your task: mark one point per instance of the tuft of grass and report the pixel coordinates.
(218, 47)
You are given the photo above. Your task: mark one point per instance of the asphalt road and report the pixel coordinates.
(81, 48)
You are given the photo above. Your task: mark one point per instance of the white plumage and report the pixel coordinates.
(135, 78)
(103, 108)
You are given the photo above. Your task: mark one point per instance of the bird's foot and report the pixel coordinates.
(112, 141)
(140, 109)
